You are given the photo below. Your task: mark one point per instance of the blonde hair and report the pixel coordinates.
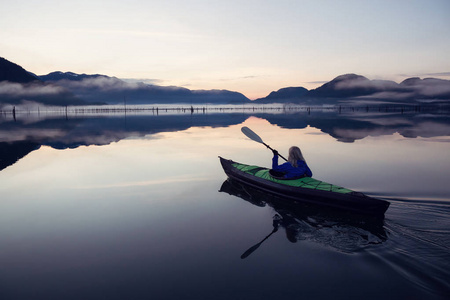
(295, 154)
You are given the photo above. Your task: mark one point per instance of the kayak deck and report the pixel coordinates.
(305, 182)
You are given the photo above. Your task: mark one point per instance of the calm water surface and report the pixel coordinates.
(138, 207)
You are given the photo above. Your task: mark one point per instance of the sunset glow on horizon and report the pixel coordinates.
(252, 47)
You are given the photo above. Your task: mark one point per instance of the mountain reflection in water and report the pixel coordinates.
(342, 231)
(21, 135)
(139, 215)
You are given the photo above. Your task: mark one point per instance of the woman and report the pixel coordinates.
(295, 167)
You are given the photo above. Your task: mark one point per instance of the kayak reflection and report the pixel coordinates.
(344, 232)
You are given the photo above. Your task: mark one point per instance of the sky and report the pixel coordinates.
(253, 47)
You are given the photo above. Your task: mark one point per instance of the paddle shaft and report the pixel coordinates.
(273, 150)
(253, 136)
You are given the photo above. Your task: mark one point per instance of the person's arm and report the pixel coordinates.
(275, 159)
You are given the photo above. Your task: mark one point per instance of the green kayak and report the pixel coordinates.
(305, 189)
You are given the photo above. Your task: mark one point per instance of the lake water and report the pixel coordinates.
(137, 206)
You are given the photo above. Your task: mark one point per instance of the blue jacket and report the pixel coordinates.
(289, 170)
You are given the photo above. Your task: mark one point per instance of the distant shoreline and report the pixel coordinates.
(181, 108)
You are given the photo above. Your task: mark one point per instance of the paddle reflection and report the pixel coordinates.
(339, 230)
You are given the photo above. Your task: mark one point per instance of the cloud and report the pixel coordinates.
(316, 82)
(364, 83)
(109, 84)
(433, 88)
(99, 83)
(438, 74)
(133, 184)
(146, 34)
(389, 95)
(435, 74)
(12, 89)
(240, 78)
(429, 87)
(144, 80)
(17, 134)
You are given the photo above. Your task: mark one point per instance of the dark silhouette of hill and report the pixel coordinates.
(284, 95)
(10, 153)
(14, 73)
(113, 90)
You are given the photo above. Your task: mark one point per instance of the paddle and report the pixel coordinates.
(253, 136)
(253, 248)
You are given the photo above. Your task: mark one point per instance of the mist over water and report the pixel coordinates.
(136, 205)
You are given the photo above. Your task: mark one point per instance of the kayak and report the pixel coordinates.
(305, 189)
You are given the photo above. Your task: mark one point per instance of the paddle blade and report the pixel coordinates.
(253, 248)
(250, 250)
(251, 135)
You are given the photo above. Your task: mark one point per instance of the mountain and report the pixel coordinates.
(112, 90)
(56, 76)
(14, 73)
(411, 90)
(357, 89)
(351, 86)
(67, 88)
(284, 95)
(18, 86)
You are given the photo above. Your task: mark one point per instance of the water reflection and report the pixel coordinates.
(342, 231)
(25, 133)
(143, 215)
